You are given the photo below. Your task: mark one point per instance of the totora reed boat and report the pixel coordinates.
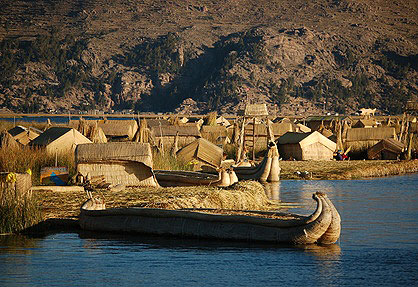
(322, 226)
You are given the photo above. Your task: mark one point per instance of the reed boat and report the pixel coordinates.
(166, 178)
(268, 170)
(321, 227)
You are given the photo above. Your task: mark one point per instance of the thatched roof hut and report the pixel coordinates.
(365, 123)
(118, 128)
(59, 140)
(306, 146)
(126, 163)
(165, 135)
(157, 122)
(386, 149)
(22, 134)
(203, 152)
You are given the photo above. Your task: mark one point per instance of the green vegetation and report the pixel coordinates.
(158, 56)
(62, 57)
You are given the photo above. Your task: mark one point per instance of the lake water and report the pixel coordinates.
(378, 247)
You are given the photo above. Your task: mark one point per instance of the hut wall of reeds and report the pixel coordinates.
(203, 152)
(59, 140)
(127, 163)
(306, 146)
(165, 135)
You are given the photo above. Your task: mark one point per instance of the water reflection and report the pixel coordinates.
(17, 244)
(272, 190)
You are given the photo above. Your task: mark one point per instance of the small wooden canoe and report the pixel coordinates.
(322, 227)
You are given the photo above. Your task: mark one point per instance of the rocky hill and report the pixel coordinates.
(300, 57)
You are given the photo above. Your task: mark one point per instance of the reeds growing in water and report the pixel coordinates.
(17, 211)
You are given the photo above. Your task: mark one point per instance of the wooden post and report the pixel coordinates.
(254, 138)
(409, 152)
(241, 141)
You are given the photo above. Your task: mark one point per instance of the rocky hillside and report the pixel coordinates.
(300, 57)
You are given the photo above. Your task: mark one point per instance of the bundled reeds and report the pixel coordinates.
(245, 195)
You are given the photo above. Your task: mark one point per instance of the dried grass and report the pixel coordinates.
(352, 169)
(246, 195)
(18, 212)
(24, 158)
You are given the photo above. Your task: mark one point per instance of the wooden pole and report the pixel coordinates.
(241, 141)
(409, 153)
(254, 138)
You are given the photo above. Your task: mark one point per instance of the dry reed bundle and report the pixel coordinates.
(210, 120)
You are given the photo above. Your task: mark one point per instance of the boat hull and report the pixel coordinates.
(303, 230)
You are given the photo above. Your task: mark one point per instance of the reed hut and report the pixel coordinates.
(386, 149)
(365, 123)
(127, 163)
(59, 140)
(203, 153)
(164, 136)
(22, 134)
(306, 146)
(364, 138)
(118, 129)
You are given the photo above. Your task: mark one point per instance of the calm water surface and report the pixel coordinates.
(378, 247)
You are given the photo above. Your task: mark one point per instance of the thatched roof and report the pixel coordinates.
(306, 139)
(256, 110)
(370, 134)
(17, 130)
(23, 135)
(118, 128)
(157, 122)
(203, 150)
(390, 145)
(162, 131)
(102, 152)
(362, 123)
(49, 136)
(222, 121)
(292, 138)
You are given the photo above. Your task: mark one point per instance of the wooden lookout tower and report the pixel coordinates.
(252, 114)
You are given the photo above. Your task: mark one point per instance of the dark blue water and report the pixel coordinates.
(378, 247)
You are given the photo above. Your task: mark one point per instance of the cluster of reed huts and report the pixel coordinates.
(120, 151)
